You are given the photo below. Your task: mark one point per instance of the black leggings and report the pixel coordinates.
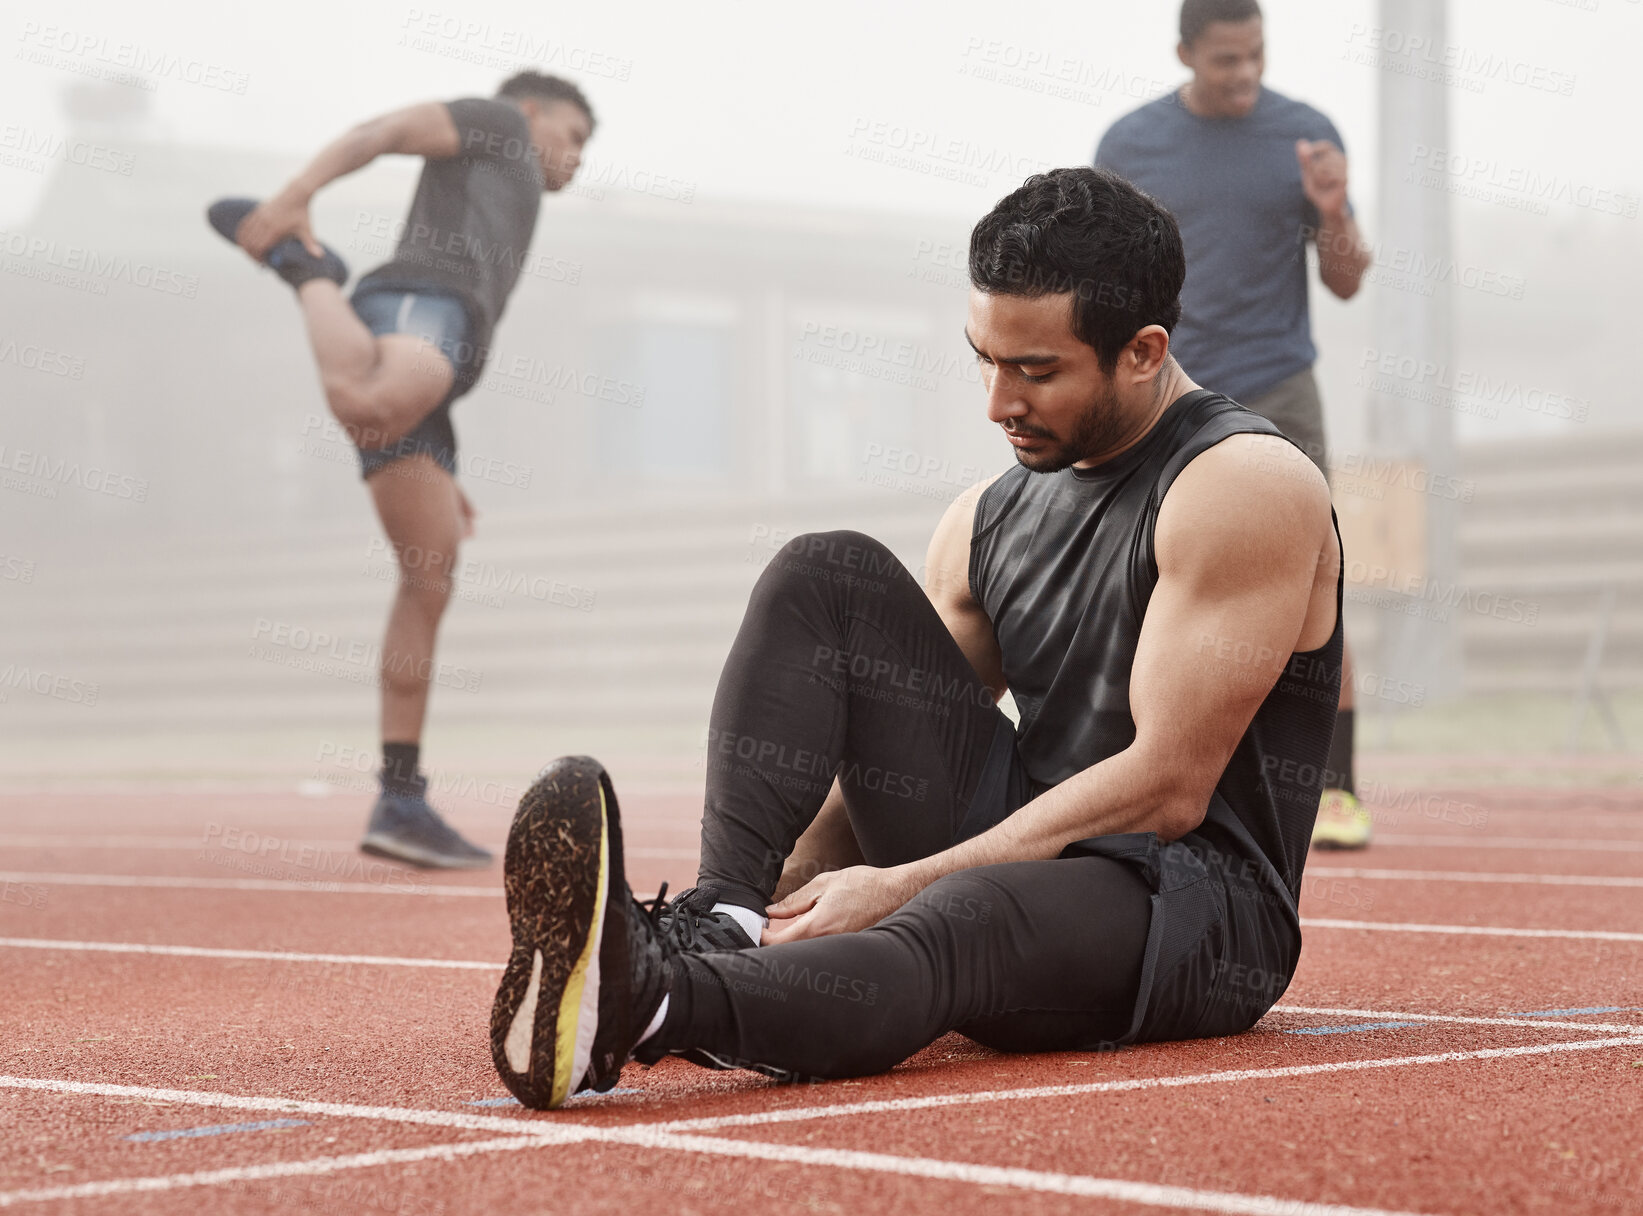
(843, 668)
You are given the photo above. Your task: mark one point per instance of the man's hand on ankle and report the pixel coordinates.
(839, 901)
(286, 214)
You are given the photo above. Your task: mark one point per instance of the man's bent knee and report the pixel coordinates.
(360, 409)
(843, 558)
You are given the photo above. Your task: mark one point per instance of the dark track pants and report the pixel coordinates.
(842, 667)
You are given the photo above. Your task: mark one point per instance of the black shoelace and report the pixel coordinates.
(684, 928)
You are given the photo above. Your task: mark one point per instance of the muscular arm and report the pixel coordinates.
(947, 583)
(420, 130)
(1245, 549)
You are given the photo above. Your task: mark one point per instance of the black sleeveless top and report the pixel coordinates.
(1063, 565)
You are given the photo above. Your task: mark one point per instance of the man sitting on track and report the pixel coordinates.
(1158, 584)
(396, 355)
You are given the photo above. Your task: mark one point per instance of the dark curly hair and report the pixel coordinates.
(1090, 233)
(546, 88)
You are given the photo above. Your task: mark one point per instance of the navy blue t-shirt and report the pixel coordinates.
(1234, 186)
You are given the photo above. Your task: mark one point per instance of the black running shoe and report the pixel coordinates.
(403, 826)
(289, 258)
(692, 927)
(588, 968)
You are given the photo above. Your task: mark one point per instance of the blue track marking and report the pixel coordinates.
(1560, 1013)
(220, 1129)
(1356, 1026)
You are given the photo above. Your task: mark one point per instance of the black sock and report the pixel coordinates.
(1338, 772)
(399, 761)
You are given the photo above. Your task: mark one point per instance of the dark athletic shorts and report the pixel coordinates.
(440, 319)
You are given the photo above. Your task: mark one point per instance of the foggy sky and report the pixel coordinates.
(776, 102)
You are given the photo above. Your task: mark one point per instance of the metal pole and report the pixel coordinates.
(1412, 322)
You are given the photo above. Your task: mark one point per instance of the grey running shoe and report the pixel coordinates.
(588, 969)
(405, 827)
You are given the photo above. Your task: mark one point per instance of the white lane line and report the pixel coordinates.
(311, 886)
(1552, 880)
(277, 1169)
(1458, 1019)
(546, 1132)
(794, 1114)
(21, 841)
(1595, 935)
(36, 841)
(1541, 844)
(274, 956)
(549, 1126)
(1145, 1193)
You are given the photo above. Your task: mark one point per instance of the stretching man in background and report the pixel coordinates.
(396, 355)
(1250, 176)
(1157, 582)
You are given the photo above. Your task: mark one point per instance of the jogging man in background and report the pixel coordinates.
(1251, 176)
(885, 856)
(395, 355)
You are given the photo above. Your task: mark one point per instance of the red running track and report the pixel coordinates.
(288, 1027)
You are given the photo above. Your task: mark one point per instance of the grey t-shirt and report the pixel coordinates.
(1234, 186)
(469, 230)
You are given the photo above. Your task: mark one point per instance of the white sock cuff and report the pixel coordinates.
(656, 1022)
(751, 922)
